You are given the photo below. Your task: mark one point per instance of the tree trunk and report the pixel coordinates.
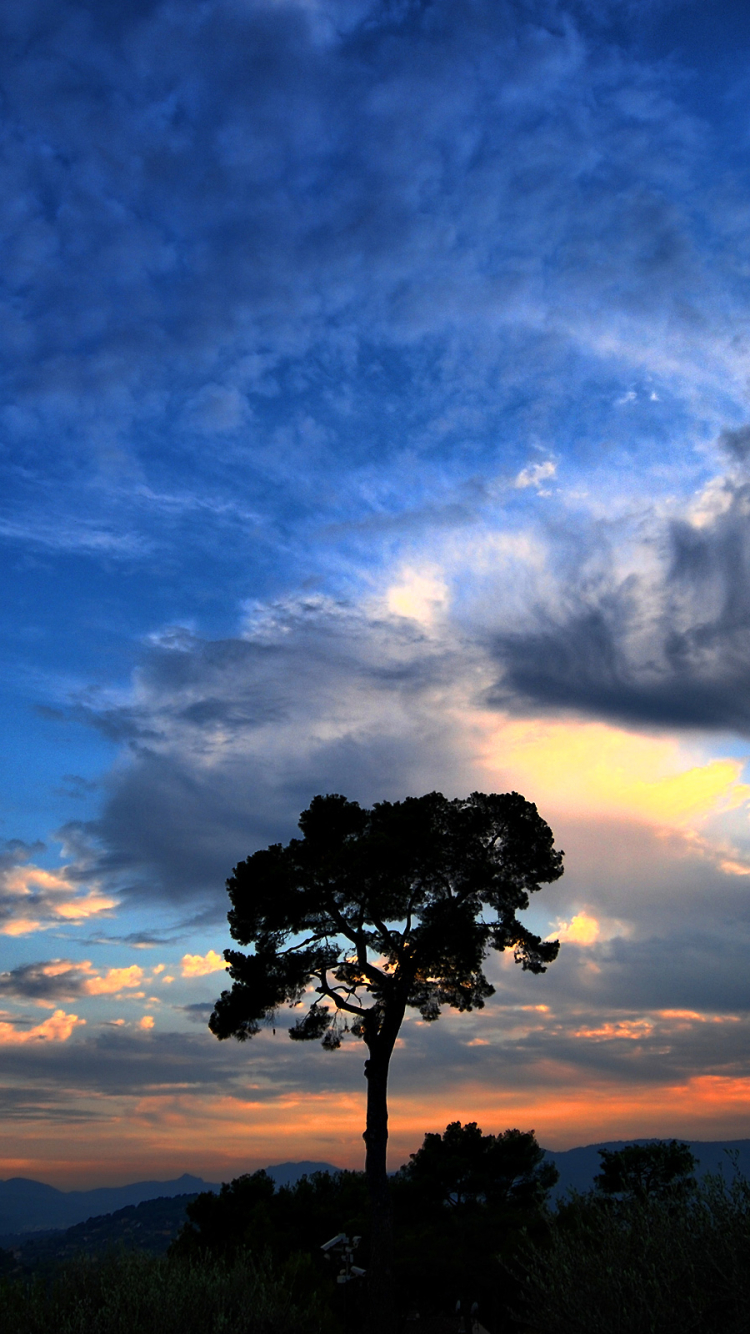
(381, 1307)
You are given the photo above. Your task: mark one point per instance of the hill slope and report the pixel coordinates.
(32, 1206)
(578, 1167)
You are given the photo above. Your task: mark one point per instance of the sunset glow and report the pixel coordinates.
(374, 421)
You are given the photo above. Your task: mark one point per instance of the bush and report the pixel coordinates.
(134, 1293)
(642, 1266)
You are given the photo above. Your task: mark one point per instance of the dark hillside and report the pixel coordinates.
(150, 1226)
(578, 1167)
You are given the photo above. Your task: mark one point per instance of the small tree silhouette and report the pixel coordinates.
(663, 1168)
(463, 1168)
(375, 911)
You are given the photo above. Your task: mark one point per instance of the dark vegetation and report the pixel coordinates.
(648, 1251)
(371, 912)
(151, 1226)
(131, 1292)
(375, 911)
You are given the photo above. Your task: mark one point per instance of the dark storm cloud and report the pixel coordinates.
(671, 650)
(49, 981)
(230, 740)
(679, 971)
(736, 442)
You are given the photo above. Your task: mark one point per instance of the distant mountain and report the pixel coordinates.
(578, 1167)
(31, 1206)
(150, 1227)
(286, 1174)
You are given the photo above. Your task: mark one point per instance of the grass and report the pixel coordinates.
(654, 1266)
(134, 1293)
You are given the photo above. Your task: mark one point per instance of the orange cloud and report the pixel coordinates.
(583, 929)
(57, 1028)
(115, 979)
(221, 1136)
(632, 1029)
(36, 899)
(199, 965)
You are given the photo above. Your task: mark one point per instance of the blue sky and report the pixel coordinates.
(373, 418)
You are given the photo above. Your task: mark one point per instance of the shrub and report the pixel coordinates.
(134, 1293)
(642, 1266)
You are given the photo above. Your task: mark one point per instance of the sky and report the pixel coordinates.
(374, 419)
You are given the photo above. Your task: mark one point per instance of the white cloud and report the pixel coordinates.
(534, 474)
(419, 595)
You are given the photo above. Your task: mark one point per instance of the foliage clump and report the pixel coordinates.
(135, 1293)
(643, 1253)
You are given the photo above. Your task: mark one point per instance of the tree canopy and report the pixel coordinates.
(462, 1168)
(398, 904)
(374, 911)
(662, 1168)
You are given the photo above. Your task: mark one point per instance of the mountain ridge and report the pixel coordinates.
(579, 1166)
(28, 1206)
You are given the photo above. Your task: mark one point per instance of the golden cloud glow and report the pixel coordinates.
(82, 979)
(147, 1021)
(57, 1028)
(632, 1029)
(84, 906)
(590, 767)
(420, 595)
(731, 867)
(199, 965)
(221, 1136)
(583, 929)
(36, 899)
(20, 926)
(115, 979)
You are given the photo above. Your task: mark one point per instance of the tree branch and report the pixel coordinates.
(333, 995)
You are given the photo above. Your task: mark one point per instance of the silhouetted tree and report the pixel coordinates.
(463, 1167)
(463, 1203)
(376, 910)
(662, 1168)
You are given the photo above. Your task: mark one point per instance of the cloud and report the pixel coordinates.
(593, 766)
(230, 739)
(736, 442)
(57, 1028)
(35, 899)
(663, 643)
(439, 199)
(534, 474)
(582, 929)
(419, 595)
(63, 980)
(114, 980)
(200, 965)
